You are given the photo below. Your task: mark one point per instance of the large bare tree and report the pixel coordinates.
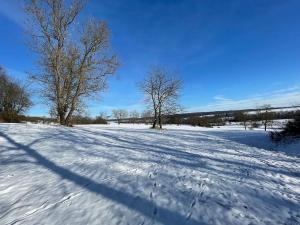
(74, 63)
(161, 89)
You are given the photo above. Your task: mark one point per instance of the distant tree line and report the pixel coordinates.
(75, 119)
(264, 117)
(88, 120)
(201, 121)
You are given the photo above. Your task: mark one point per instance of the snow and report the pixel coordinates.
(130, 174)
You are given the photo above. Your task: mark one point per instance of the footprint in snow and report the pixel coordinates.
(193, 203)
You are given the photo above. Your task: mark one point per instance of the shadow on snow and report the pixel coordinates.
(115, 195)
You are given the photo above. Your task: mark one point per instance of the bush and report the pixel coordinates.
(216, 121)
(174, 120)
(10, 117)
(14, 98)
(255, 125)
(292, 129)
(88, 120)
(37, 119)
(199, 121)
(100, 120)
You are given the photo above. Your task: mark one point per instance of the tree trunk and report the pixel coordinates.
(69, 117)
(62, 119)
(159, 119)
(265, 126)
(154, 123)
(154, 120)
(68, 121)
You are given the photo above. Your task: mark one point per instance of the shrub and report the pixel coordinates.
(14, 98)
(291, 129)
(199, 121)
(100, 120)
(88, 120)
(255, 125)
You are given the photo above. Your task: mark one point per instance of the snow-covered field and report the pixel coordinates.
(130, 174)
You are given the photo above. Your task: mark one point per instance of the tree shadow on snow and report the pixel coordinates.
(165, 216)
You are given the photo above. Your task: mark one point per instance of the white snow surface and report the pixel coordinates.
(130, 174)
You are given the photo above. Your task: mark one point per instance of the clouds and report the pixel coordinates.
(282, 97)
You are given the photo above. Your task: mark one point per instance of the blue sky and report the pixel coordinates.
(230, 54)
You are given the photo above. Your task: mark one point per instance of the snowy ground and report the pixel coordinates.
(134, 175)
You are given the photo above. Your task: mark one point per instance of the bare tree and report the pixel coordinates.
(161, 89)
(14, 98)
(242, 117)
(266, 115)
(119, 114)
(74, 65)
